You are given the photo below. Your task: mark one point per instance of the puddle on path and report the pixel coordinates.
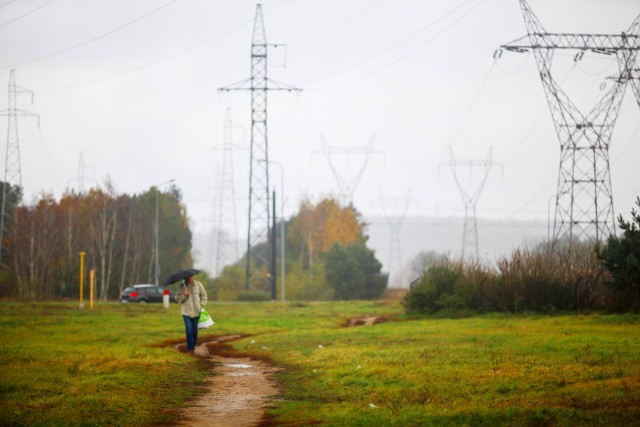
(238, 391)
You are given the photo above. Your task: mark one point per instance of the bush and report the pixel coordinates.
(540, 280)
(566, 277)
(254, 296)
(439, 288)
(621, 257)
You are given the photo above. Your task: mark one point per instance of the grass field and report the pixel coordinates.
(115, 365)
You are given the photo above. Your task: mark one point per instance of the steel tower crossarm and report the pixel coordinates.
(599, 43)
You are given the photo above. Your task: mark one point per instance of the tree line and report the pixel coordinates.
(42, 241)
(326, 258)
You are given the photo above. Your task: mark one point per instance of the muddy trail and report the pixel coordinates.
(237, 391)
(239, 388)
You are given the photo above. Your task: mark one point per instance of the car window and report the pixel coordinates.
(128, 289)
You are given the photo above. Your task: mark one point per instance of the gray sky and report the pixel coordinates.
(132, 84)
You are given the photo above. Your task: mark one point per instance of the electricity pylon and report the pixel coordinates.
(227, 222)
(82, 167)
(347, 187)
(258, 84)
(584, 200)
(470, 196)
(635, 83)
(12, 171)
(398, 209)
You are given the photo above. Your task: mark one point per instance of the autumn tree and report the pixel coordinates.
(317, 228)
(102, 229)
(34, 247)
(310, 236)
(116, 232)
(10, 198)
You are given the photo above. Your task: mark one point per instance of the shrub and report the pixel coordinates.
(621, 257)
(441, 287)
(565, 277)
(541, 280)
(254, 296)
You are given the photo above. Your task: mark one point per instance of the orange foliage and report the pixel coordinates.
(319, 227)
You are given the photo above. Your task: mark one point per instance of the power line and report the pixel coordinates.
(398, 43)
(337, 27)
(86, 42)
(7, 3)
(162, 59)
(473, 103)
(24, 14)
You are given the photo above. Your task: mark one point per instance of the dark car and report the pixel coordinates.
(144, 293)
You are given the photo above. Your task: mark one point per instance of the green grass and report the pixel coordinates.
(64, 366)
(491, 370)
(115, 366)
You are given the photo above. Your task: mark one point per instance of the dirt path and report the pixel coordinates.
(238, 390)
(366, 321)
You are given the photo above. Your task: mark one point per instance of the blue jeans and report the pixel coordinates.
(191, 328)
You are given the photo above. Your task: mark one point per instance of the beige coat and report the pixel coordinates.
(190, 304)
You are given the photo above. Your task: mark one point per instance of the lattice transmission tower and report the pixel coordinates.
(12, 168)
(470, 192)
(347, 186)
(259, 85)
(395, 210)
(227, 221)
(82, 176)
(634, 78)
(584, 200)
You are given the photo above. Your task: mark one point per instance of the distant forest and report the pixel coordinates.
(42, 241)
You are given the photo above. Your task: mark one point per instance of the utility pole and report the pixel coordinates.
(272, 242)
(12, 171)
(470, 247)
(584, 200)
(259, 84)
(347, 187)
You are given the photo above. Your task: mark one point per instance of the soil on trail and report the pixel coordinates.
(366, 321)
(237, 392)
(239, 388)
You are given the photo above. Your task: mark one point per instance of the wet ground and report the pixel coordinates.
(239, 388)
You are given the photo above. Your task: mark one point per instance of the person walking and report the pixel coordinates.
(192, 297)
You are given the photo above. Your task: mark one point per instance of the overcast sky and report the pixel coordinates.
(132, 85)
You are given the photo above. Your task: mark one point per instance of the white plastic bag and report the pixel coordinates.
(205, 320)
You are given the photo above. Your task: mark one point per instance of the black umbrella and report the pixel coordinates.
(181, 275)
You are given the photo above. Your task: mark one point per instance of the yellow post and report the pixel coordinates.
(82, 254)
(92, 275)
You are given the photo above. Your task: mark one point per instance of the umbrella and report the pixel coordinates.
(181, 275)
